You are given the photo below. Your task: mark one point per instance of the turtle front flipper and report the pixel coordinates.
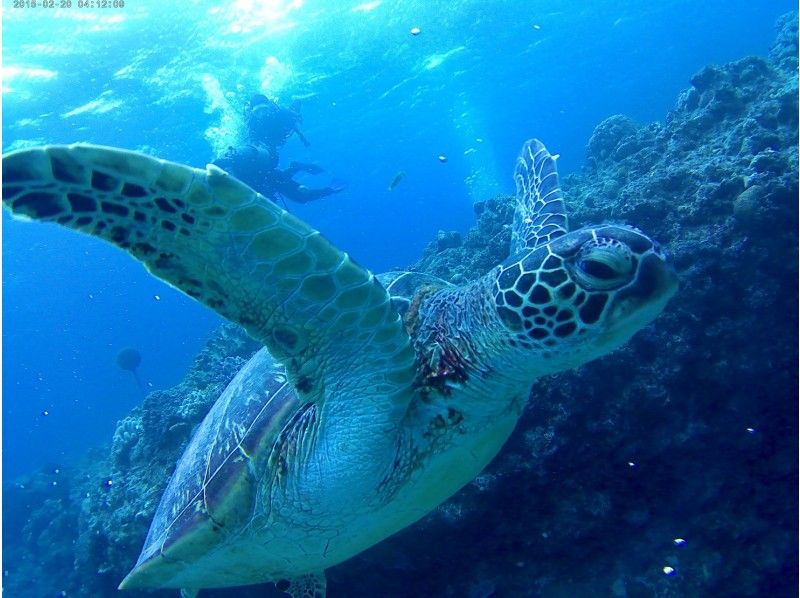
(230, 248)
(540, 214)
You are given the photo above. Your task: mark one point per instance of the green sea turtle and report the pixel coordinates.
(374, 398)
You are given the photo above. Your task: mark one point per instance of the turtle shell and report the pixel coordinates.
(212, 494)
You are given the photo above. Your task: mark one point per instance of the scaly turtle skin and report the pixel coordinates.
(374, 399)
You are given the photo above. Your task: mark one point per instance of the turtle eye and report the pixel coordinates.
(597, 269)
(603, 264)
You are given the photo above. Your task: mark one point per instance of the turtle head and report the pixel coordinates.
(582, 294)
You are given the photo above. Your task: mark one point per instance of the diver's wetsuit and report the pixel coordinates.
(269, 126)
(257, 167)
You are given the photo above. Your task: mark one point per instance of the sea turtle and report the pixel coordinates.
(375, 398)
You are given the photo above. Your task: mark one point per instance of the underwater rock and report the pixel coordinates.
(611, 462)
(607, 136)
(448, 240)
(485, 245)
(784, 51)
(745, 206)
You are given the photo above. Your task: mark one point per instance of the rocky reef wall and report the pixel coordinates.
(688, 432)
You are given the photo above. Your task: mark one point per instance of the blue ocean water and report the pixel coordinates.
(172, 80)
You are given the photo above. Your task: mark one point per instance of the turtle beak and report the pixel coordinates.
(644, 299)
(656, 280)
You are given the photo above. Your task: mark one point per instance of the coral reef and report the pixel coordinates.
(688, 432)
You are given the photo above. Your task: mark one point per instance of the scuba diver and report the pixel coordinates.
(256, 164)
(269, 124)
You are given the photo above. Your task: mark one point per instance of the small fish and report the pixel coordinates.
(396, 180)
(415, 31)
(442, 158)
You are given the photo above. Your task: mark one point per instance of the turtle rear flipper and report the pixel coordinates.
(230, 248)
(311, 585)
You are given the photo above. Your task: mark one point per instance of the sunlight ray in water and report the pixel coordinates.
(244, 16)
